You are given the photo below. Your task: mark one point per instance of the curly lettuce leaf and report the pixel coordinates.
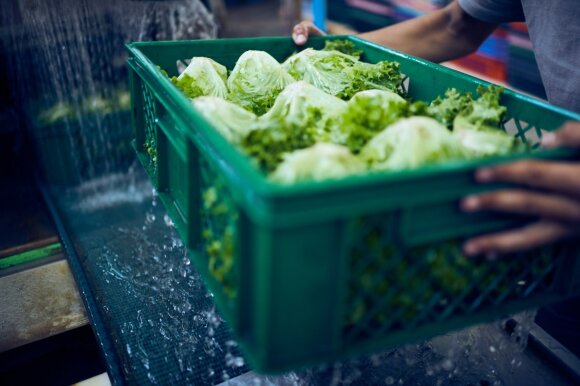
(232, 121)
(410, 143)
(485, 141)
(202, 77)
(256, 81)
(368, 113)
(446, 109)
(381, 76)
(485, 111)
(344, 46)
(477, 125)
(319, 162)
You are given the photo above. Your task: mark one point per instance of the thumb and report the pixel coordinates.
(567, 136)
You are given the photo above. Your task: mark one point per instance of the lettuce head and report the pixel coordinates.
(340, 74)
(410, 143)
(232, 121)
(256, 81)
(485, 141)
(319, 162)
(477, 125)
(301, 116)
(203, 76)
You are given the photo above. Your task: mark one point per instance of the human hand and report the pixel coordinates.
(550, 191)
(302, 31)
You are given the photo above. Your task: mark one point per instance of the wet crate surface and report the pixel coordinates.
(315, 272)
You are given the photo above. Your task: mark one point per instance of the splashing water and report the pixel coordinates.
(69, 74)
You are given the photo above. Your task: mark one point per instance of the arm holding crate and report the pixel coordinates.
(446, 34)
(549, 191)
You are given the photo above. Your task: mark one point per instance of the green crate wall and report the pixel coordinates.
(302, 269)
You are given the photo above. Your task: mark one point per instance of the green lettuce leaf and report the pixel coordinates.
(446, 109)
(319, 162)
(232, 121)
(301, 116)
(203, 76)
(485, 141)
(368, 113)
(485, 111)
(410, 143)
(381, 76)
(344, 46)
(477, 125)
(256, 81)
(342, 75)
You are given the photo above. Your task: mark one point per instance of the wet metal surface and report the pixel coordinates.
(38, 303)
(164, 329)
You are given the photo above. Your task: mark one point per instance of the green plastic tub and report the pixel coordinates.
(320, 271)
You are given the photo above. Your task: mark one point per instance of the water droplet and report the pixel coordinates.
(231, 343)
(492, 349)
(167, 220)
(149, 218)
(447, 365)
(389, 380)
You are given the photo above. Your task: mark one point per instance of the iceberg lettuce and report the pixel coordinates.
(301, 116)
(341, 74)
(232, 121)
(410, 143)
(319, 162)
(256, 81)
(202, 77)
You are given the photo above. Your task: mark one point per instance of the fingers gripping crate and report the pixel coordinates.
(319, 271)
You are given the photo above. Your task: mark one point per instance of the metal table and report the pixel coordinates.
(156, 322)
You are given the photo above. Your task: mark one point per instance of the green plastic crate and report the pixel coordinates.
(320, 271)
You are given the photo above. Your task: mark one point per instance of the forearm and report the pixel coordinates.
(443, 35)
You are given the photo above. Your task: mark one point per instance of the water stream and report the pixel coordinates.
(67, 63)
